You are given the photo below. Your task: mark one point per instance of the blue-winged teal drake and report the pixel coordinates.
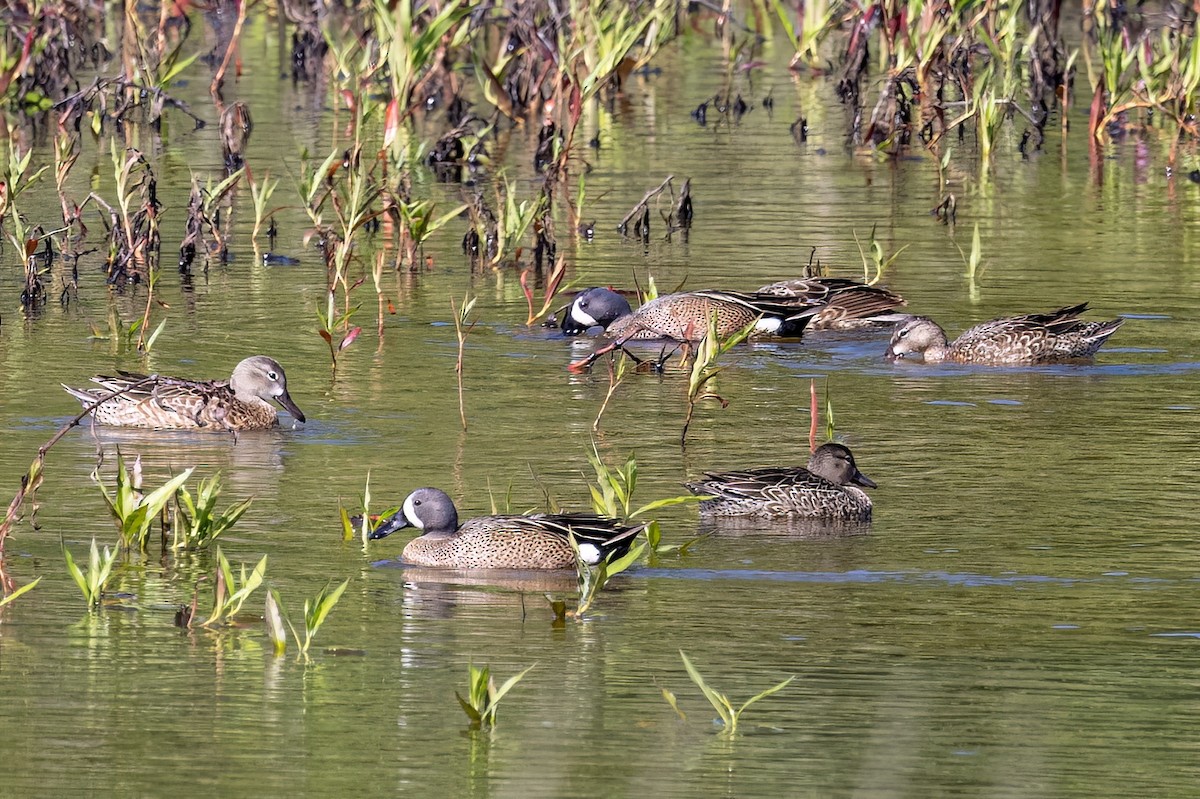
(538, 541)
(780, 309)
(1034, 338)
(684, 316)
(827, 489)
(243, 402)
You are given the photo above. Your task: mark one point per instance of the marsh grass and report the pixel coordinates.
(483, 697)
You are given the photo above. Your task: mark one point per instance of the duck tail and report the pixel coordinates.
(84, 396)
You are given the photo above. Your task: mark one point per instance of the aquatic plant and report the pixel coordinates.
(612, 493)
(134, 511)
(725, 710)
(133, 239)
(814, 25)
(203, 227)
(24, 238)
(231, 591)
(875, 260)
(461, 331)
(704, 369)
(483, 697)
(335, 324)
(196, 523)
(593, 578)
(413, 41)
(92, 582)
(618, 369)
(260, 195)
(364, 523)
(316, 610)
(418, 224)
(973, 262)
(680, 215)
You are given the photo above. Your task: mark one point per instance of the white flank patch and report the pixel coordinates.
(581, 316)
(410, 513)
(589, 554)
(768, 325)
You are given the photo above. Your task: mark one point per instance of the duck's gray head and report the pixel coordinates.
(836, 464)
(263, 377)
(430, 510)
(594, 307)
(913, 336)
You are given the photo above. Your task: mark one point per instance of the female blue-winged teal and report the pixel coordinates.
(243, 402)
(827, 489)
(1034, 338)
(780, 309)
(539, 541)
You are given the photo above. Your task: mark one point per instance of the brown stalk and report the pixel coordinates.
(215, 87)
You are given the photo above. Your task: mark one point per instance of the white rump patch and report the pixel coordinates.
(410, 513)
(768, 324)
(589, 554)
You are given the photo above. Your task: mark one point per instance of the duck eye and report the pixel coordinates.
(272, 376)
(904, 332)
(416, 502)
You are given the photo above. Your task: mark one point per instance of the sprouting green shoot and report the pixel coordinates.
(315, 612)
(483, 697)
(366, 523)
(196, 522)
(729, 715)
(704, 369)
(231, 590)
(133, 511)
(92, 582)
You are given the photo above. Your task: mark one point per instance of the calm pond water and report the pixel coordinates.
(1020, 619)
